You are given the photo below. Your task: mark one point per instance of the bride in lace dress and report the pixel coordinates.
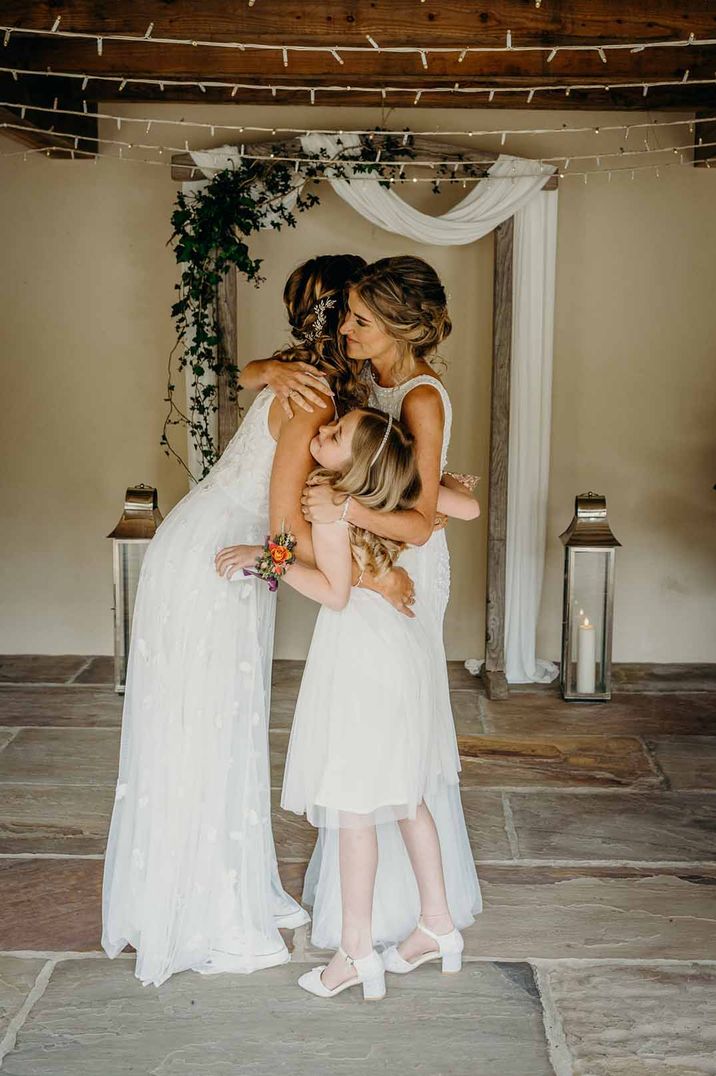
(397, 317)
(190, 876)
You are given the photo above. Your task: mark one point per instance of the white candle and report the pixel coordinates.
(586, 658)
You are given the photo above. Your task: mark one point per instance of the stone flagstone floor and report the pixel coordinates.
(593, 828)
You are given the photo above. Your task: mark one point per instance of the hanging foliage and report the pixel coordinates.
(211, 229)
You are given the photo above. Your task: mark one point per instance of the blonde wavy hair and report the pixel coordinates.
(408, 301)
(390, 483)
(315, 300)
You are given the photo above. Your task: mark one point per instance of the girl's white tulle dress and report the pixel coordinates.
(373, 735)
(190, 877)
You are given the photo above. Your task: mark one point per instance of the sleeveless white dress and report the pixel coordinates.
(374, 734)
(190, 877)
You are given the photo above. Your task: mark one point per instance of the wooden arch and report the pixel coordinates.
(493, 674)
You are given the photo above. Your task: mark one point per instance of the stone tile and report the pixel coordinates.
(283, 707)
(664, 677)
(39, 668)
(637, 1021)
(533, 713)
(689, 762)
(294, 837)
(61, 756)
(292, 875)
(6, 735)
(467, 712)
(566, 761)
(460, 678)
(17, 978)
(562, 912)
(485, 821)
(82, 706)
(66, 819)
(51, 904)
(264, 1024)
(286, 674)
(648, 827)
(99, 671)
(278, 745)
(56, 905)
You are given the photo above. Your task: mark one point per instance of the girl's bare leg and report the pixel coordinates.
(358, 858)
(423, 845)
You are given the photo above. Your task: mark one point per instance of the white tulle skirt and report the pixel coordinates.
(191, 879)
(373, 737)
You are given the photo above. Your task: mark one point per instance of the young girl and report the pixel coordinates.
(369, 739)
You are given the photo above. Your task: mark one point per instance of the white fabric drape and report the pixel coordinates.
(513, 189)
(513, 183)
(534, 254)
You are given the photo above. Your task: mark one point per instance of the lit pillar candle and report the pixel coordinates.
(586, 658)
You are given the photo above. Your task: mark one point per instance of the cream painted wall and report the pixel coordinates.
(87, 283)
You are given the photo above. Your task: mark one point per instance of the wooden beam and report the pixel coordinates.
(228, 352)
(46, 136)
(402, 22)
(426, 149)
(494, 669)
(521, 68)
(396, 23)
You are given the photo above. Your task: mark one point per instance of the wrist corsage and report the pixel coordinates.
(275, 557)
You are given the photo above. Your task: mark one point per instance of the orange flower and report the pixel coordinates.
(280, 554)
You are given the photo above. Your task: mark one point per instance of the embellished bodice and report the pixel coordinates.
(244, 470)
(390, 400)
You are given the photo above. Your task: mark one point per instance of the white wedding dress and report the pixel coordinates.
(190, 877)
(376, 685)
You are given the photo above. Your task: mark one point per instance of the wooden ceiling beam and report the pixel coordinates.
(41, 127)
(183, 61)
(391, 23)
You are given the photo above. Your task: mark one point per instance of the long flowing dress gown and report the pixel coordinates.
(387, 684)
(190, 877)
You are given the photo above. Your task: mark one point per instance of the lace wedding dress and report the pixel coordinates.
(405, 674)
(190, 877)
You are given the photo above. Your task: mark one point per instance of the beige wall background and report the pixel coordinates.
(86, 283)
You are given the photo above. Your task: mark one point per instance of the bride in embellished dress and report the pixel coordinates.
(190, 876)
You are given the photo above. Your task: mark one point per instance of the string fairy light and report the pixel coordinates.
(509, 46)
(455, 88)
(542, 163)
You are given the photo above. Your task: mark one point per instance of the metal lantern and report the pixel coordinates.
(131, 536)
(588, 610)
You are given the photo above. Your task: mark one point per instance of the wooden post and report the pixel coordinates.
(493, 674)
(228, 351)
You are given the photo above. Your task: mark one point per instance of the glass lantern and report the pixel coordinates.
(131, 536)
(588, 609)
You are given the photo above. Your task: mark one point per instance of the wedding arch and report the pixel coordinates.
(518, 201)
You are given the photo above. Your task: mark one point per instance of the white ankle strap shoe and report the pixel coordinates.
(450, 947)
(369, 971)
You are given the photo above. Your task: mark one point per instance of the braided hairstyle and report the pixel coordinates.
(409, 302)
(315, 300)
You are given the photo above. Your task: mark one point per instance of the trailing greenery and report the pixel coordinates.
(211, 228)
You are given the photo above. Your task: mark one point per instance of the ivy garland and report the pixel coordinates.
(210, 235)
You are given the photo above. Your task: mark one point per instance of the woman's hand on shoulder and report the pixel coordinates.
(297, 384)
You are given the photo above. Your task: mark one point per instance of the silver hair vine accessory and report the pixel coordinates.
(383, 443)
(320, 320)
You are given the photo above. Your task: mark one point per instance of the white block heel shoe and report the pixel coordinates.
(369, 971)
(450, 952)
